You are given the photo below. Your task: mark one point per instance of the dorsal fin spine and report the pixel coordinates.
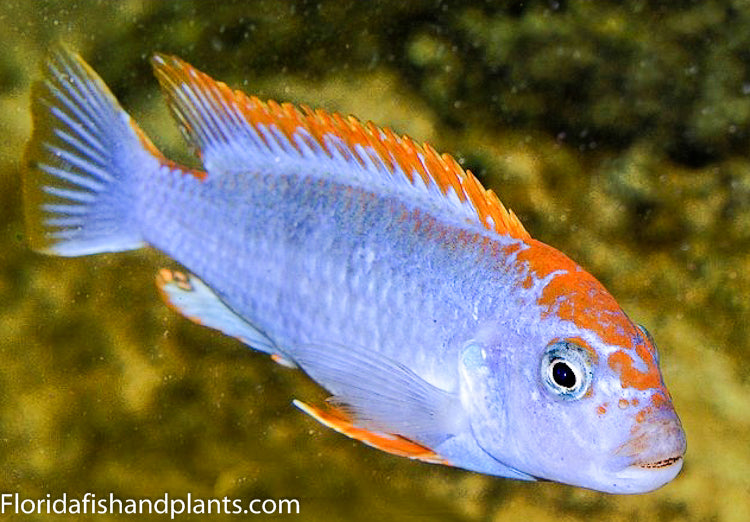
(223, 124)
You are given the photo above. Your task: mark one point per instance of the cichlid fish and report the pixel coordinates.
(381, 268)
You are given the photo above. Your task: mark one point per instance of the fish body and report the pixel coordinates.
(443, 331)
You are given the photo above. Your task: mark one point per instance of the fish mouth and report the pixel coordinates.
(648, 476)
(670, 464)
(663, 463)
(654, 452)
(656, 439)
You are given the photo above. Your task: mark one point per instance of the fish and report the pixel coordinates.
(380, 268)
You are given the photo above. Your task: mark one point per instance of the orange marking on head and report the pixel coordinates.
(511, 248)
(631, 377)
(593, 355)
(577, 296)
(641, 415)
(660, 398)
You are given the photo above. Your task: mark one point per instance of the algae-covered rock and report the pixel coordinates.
(618, 131)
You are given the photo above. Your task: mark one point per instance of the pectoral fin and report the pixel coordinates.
(338, 420)
(381, 394)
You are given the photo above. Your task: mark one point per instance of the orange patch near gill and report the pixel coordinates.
(395, 152)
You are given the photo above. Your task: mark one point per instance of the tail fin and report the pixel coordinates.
(80, 165)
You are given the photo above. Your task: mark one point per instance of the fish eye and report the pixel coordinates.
(566, 370)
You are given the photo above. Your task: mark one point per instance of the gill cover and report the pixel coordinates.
(481, 396)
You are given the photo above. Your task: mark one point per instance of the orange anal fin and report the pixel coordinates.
(388, 442)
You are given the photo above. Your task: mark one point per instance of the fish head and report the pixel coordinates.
(572, 391)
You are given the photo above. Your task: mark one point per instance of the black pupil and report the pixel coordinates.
(563, 375)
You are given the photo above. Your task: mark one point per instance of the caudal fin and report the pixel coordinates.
(81, 164)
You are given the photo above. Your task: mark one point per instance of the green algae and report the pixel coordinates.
(618, 131)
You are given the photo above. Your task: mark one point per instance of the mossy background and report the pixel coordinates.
(618, 131)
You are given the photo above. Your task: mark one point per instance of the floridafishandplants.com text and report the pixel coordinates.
(90, 504)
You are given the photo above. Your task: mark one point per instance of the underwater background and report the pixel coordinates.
(619, 132)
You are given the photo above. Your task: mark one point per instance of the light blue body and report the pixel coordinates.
(390, 293)
(306, 261)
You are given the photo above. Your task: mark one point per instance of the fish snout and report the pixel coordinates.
(655, 449)
(657, 439)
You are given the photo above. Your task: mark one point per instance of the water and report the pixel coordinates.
(618, 133)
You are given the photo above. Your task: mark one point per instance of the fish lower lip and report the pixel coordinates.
(664, 463)
(651, 475)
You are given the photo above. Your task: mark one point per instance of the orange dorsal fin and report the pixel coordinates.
(338, 420)
(234, 132)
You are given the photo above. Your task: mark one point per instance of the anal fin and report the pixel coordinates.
(337, 419)
(195, 300)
